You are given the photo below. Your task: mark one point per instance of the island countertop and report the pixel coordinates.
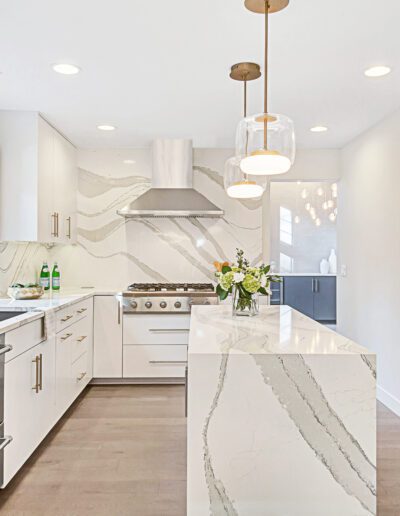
(277, 329)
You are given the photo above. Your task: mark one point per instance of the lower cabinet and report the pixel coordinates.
(314, 296)
(29, 403)
(42, 378)
(74, 359)
(107, 337)
(155, 346)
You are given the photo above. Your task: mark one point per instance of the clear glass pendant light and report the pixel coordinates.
(238, 184)
(266, 140)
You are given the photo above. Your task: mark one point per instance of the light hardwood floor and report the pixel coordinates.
(121, 451)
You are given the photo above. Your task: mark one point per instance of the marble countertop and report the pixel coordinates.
(302, 274)
(276, 330)
(53, 301)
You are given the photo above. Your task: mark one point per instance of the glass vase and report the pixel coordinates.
(243, 303)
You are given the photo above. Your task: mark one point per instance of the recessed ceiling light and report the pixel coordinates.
(377, 71)
(129, 161)
(106, 127)
(66, 69)
(318, 129)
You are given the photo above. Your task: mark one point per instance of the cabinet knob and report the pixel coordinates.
(178, 304)
(163, 304)
(148, 304)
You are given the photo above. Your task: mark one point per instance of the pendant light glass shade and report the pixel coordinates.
(239, 185)
(267, 144)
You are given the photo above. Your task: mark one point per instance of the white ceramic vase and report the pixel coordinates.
(332, 262)
(324, 266)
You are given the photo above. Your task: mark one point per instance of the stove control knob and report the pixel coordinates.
(148, 304)
(163, 304)
(134, 304)
(178, 304)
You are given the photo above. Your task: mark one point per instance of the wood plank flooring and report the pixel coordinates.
(121, 451)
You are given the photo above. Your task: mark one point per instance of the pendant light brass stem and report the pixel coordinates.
(266, 19)
(245, 98)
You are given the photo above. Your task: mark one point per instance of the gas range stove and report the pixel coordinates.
(167, 297)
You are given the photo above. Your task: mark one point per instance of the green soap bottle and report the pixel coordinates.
(55, 277)
(44, 278)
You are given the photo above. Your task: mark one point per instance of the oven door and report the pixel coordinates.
(4, 440)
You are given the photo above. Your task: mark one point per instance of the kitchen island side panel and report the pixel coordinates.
(276, 434)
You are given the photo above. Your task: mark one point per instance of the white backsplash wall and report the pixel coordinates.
(20, 262)
(113, 251)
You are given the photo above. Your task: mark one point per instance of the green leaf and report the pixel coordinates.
(263, 291)
(226, 269)
(267, 268)
(222, 294)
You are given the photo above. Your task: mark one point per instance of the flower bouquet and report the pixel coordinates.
(244, 283)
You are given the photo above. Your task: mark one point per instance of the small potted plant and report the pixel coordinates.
(245, 283)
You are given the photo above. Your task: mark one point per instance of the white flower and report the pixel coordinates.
(238, 277)
(263, 280)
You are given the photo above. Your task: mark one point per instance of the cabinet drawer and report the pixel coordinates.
(23, 338)
(156, 329)
(80, 373)
(85, 308)
(81, 338)
(73, 313)
(165, 361)
(65, 318)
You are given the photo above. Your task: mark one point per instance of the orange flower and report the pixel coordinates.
(219, 265)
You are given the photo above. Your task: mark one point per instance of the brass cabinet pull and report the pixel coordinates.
(81, 338)
(40, 371)
(81, 310)
(119, 312)
(57, 224)
(81, 376)
(53, 223)
(67, 318)
(69, 227)
(36, 362)
(66, 336)
(6, 349)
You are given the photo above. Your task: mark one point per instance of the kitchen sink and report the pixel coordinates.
(9, 314)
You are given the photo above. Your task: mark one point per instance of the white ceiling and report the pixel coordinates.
(160, 68)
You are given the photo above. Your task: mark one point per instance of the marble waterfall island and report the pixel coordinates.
(281, 417)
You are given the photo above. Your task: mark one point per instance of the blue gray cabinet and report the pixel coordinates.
(314, 296)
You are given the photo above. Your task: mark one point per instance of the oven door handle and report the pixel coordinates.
(4, 441)
(6, 349)
(169, 330)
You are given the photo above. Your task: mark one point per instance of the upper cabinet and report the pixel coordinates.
(38, 180)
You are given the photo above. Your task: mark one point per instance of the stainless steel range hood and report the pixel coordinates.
(172, 193)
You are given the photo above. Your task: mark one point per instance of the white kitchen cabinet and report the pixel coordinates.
(107, 337)
(29, 403)
(74, 353)
(38, 180)
(148, 361)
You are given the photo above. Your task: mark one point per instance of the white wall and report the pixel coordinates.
(369, 248)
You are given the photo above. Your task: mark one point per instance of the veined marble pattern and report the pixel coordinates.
(281, 417)
(113, 251)
(20, 261)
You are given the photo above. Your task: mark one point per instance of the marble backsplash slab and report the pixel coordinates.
(113, 252)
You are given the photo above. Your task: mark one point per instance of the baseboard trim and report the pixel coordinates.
(390, 401)
(137, 381)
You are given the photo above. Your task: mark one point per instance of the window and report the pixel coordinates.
(285, 228)
(285, 262)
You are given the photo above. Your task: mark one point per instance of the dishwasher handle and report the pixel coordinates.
(5, 349)
(4, 441)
